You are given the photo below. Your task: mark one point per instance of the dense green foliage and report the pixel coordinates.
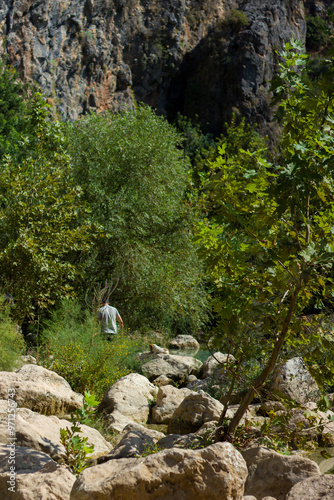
(269, 243)
(134, 176)
(11, 340)
(317, 34)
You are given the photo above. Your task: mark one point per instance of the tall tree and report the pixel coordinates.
(269, 245)
(134, 176)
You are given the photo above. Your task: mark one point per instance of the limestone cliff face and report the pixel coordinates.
(205, 57)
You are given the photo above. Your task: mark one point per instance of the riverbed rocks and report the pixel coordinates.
(41, 390)
(177, 368)
(292, 380)
(42, 433)
(273, 474)
(315, 488)
(184, 342)
(168, 399)
(37, 476)
(131, 396)
(194, 411)
(217, 472)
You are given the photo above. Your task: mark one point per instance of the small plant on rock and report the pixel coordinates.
(76, 446)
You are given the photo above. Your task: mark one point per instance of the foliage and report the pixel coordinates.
(269, 243)
(134, 176)
(237, 19)
(11, 340)
(150, 449)
(317, 33)
(43, 228)
(76, 447)
(73, 347)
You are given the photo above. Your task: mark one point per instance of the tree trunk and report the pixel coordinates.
(228, 433)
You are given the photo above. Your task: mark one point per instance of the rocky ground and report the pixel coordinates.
(183, 463)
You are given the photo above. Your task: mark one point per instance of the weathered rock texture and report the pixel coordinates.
(40, 390)
(217, 472)
(177, 368)
(168, 399)
(319, 488)
(40, 432)
(188, 55)
(37, 476)
(272, 474)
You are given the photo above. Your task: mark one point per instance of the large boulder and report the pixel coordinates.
(178, 368)
(40, 390)
(131, 396)
(215, 364)
(199, 439)
(193, 412)
(184, 342)
(36, 477)
(40, 432)
(272, 474)
(315, 488)
(217, 472)
(292, 380)
(168, 399)
(136, 441)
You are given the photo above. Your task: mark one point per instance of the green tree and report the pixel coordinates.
(134, 176)
(269, 244)
(43, 225)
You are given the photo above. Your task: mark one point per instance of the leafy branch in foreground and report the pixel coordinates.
(76, 446)
(269, 242)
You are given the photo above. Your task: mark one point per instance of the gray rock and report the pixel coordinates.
(195, 410)
(178, 368)
(272, 474)
(168, 399)
(315, 488)
(215, 364)
(184, 342)
(135, 442)
(292, 380)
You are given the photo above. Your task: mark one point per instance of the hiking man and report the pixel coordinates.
(108, 317)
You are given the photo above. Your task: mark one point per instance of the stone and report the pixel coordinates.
(40, 432)
(272, 474)
(41, 390)
(293, 381)
(130, 396)
(184, 342)
(195, 410)
(178, 368)
(168, 399)
(117, 422)
(37, 476)
(214, 364)
(134, 443)
(163, 380)
(199, 439)
(315, 488)
(217, 472)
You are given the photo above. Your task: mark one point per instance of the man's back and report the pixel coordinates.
(107, 316)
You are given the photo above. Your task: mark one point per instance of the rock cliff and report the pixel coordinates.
(205, 57)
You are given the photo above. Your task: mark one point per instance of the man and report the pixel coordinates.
(108, 317)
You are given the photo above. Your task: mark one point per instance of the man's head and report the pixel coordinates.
(105, 301)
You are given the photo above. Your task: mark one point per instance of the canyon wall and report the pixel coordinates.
(204, 57)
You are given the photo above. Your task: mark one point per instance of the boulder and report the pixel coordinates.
(163, 380)
(117, 422)
(272, 474)
(168, 399)
(184, 342)
(315, 488)
(217, 472)
(130, 396)
(37, 476)
(193, 412)
(136, 441)
(41, 390)
(42, 433)
(200, 439)
(178, 368)
(292, 380)
(214, 364)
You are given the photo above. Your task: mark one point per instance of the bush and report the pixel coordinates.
(75, 350)
(11, 341)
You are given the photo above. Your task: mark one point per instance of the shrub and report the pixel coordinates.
(74, 349)
(11, 341)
